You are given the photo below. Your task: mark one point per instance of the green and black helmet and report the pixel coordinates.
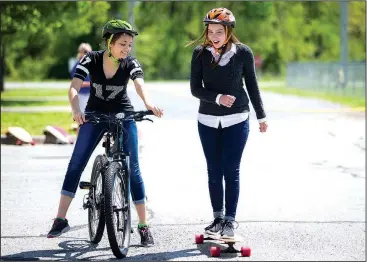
(116, 26)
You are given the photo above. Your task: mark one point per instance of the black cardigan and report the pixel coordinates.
(225, 80)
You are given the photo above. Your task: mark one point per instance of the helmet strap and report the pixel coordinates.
(117, 61)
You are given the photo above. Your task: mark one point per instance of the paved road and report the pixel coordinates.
(302, 187)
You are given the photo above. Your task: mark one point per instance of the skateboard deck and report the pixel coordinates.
(58, 135)
(20, 134)
(230, 241)
(236, 238)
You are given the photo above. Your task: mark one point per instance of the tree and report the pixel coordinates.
(35, 33)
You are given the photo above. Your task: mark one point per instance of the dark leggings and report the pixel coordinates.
(223, 149)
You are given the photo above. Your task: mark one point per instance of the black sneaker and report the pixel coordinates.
(60, 226)
(215, 226)
(146, 236)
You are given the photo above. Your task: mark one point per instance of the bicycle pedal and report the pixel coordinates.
(85, 185)
(86, 205)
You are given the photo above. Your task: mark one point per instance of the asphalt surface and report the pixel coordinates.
(302, 191)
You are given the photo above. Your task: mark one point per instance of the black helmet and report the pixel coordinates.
(116, 26)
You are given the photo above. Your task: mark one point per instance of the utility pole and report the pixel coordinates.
(131, 19)
(344, 40)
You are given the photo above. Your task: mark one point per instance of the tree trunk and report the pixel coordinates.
(2, 65)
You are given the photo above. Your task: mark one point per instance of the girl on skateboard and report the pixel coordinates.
(218, 65)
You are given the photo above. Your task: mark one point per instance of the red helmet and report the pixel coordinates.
(221, 16)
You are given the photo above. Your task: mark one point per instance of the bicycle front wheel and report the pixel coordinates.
(117, 209)
(96, 217)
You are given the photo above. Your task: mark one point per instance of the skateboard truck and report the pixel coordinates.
(230, 249)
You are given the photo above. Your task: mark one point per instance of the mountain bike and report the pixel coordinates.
(108, 199)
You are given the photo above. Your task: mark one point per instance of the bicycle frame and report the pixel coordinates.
(116, 151)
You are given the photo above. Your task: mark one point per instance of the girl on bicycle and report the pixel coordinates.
(220, 62)
(109, 71)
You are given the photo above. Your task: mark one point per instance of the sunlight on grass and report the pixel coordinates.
(34, 92)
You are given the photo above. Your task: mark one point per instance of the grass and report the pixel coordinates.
(33, 97)
(34, 123)
(353, 102)
(17, 103)
(33, 92)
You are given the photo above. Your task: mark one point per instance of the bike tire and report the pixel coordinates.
(119, 210)
(97, 203)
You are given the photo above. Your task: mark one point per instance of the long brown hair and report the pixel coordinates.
(204, 41)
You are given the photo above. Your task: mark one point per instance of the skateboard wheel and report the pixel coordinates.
(199, 238)
(215, 251)
(19, 143)
(33, 143)
(245, 251)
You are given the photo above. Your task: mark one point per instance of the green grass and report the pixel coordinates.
(35, 123)
(270, 77)
(34, 92)
(17, 103)
(345, 100)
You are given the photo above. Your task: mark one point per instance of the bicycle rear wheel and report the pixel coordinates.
(117, 209)
(96, 216)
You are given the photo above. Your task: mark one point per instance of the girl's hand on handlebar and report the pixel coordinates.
(156, 110)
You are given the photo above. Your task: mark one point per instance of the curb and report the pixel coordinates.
(37, 139)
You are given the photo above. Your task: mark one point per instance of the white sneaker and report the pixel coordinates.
(228, 229)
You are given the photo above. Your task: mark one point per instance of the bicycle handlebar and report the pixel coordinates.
(118, 118)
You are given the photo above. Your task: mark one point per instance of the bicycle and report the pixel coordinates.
(110, 170)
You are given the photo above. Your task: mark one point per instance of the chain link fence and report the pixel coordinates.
(328, 77)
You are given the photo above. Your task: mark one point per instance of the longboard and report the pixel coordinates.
(56, 135)
(216, 251)
(20, 134)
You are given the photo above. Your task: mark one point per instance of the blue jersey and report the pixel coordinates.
(83, 90)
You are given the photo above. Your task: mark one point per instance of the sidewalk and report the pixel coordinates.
(37, 139)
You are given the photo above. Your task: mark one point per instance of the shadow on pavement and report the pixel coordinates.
(78, 249)
(71, 250)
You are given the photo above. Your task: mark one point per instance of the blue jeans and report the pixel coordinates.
(223, 148)
(88, 138)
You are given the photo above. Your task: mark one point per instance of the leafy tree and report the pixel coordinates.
(39, 37)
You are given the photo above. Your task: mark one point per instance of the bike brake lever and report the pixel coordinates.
(148, 119)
